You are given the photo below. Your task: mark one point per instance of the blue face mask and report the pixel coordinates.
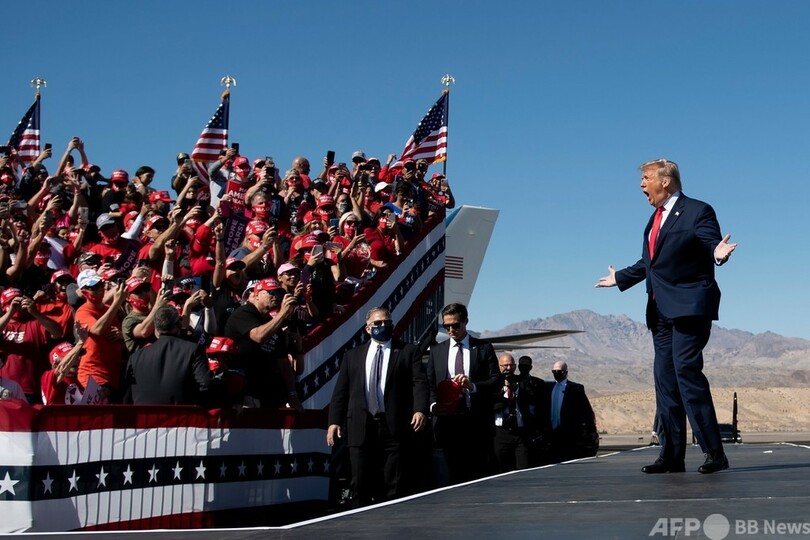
(382, 333)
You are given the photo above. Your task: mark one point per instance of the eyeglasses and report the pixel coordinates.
(384, 322)
(452, 326)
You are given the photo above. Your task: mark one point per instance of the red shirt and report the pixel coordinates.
(356, 260)
(103, 357)
(382, 245)
(24, 345)
(65, 392)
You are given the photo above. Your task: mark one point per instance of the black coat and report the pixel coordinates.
(171, 371)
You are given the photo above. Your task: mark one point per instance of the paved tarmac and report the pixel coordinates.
(766, 492)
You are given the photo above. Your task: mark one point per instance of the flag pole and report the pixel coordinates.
(38, 82)
(447, 80)
(227, 81)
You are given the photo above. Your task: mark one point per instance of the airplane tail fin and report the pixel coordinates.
(468, 232)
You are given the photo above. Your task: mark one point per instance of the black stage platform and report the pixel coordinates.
(765, 493)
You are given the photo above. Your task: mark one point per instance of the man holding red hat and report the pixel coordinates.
(24, 338)
(257, 327)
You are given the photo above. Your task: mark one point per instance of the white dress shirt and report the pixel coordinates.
(372, 352)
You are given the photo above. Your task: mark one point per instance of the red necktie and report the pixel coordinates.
(656, 226)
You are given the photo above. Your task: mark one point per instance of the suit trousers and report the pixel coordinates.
(376, 470)
(681, 388)
(512, 449)
(466, 441)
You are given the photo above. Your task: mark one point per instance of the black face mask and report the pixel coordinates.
(524, 369)
(559, 375)
(382, 333)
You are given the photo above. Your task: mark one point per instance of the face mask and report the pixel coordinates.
(261, 211)
(139, 304)
(524, 369)
(350, 228)
(382, 333)
(61, 296)
(559, 376)
(343, 207)
(110, 236)
(254, 243)
(94, 297)
(41, 259)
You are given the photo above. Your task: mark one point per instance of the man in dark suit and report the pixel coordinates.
(681, 246)
(171, 371)
(465, 428)
(573, 425)
(381, 397)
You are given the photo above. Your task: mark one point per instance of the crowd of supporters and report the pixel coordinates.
(99, 271)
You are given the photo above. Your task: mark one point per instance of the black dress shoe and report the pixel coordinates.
(715, 461)
(662, 465)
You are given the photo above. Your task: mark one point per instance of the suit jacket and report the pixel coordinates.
(171, 371)
(484, 373)
(405, 393)
(576, 414)
(681, 274)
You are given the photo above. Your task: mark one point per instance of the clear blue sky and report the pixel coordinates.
(556, 103)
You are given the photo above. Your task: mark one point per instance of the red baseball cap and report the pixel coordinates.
(221, 345)
(59, 274)
(310, 240)
(154, 220)
(231, 261)
(120, 175)
(162, 196)
(267, 284)
(59, 352)
(8, 295)
(134, 283)
(326, 200)
(256, 227)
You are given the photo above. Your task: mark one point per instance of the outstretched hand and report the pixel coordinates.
(723, 250)
(608, 280)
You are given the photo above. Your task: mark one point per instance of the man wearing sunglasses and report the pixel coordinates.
(381, 397)
(464, 428)
(573, 425)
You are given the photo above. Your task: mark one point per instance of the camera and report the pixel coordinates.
(511, 376)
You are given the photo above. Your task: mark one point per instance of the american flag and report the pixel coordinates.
(213, 138)
(429, 141)
(25, 138)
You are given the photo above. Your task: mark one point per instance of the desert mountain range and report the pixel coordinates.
(613, 359)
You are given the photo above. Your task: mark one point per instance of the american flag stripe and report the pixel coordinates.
(25, 138)
(214, 137)
(454, 267)
(429, 140)
(143, 463)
